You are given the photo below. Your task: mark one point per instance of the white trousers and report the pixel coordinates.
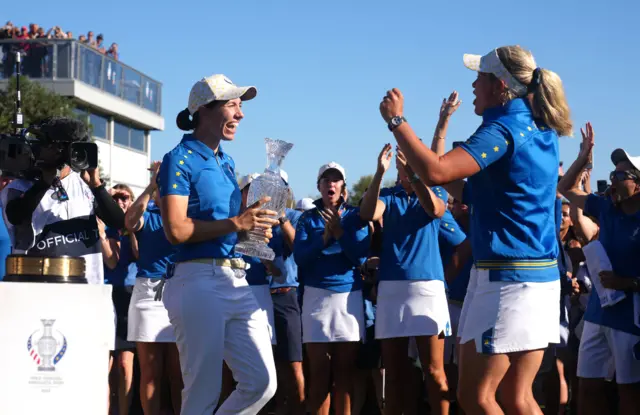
(216, 317)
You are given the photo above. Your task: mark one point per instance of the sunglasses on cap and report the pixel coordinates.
(620, 176)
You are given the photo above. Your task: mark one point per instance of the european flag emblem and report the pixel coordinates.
(487, 341)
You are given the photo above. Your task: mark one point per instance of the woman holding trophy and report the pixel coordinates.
(211, 306)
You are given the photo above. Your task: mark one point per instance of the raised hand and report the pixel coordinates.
(450, 105)
(588, 141)
(155, 168)
(384, 159)
(401, 160)
(392, 105)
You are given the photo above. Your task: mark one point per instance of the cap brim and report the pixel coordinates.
(330, 169)
(618, 156)
(472, 61)
(247, 93)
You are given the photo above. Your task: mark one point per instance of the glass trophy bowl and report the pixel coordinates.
(270, 184)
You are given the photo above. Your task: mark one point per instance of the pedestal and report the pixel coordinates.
(54, 348)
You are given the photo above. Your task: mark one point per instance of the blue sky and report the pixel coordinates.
(321, 68)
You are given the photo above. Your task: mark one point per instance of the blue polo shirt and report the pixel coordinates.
(257, 272)
(620, 237)
(410, 239)
(5, 248)
(451, 235)
(334, 267)
(156, 252)
(512, 198)
(121, 275)
(284, 256)
(192, 169)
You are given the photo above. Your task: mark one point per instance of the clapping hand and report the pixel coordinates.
(384, 159)
(588, 141)
(401, 160)
(333, 225)
(449, 105)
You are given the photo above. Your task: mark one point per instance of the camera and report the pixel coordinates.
(51, 143)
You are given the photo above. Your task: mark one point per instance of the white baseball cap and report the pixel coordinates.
(619, 155)
(217, 88)
(246, 180)
(305, 204)
(491, 63)
(332, 166)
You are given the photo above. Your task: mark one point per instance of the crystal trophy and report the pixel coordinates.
(270, 184)
(47, 346)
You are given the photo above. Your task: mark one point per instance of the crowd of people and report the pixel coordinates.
(35, 31)
(36, 56)
(485, 271)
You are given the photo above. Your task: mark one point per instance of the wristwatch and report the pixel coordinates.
(283, 220)
(414, 179)
(395, 122)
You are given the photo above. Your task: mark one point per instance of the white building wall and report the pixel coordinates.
(124, 166)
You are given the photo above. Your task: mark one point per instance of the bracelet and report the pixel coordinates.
(438, 137)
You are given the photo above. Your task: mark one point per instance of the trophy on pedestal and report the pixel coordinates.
(47, 346)
(270, 184)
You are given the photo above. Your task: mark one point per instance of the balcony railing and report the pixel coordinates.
(69, 59)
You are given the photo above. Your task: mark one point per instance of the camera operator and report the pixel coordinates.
(55, 213)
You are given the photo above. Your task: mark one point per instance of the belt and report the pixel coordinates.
(236, 263)
(282, 290)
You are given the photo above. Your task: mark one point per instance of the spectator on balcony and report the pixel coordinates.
(23, 33)
(33, 30)
(69, 35)
(113, 51)
(82, 39)
(91, 41)
(99, 44)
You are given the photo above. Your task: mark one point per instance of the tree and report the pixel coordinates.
(38, 103)
(359, 187)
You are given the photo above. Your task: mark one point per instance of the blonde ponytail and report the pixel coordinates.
(547, 98)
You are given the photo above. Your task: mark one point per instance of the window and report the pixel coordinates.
(129, 137)
(137, 139)
(99, 126)
(121, 134)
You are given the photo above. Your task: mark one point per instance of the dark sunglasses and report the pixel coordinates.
(620, 176)
(124, 198)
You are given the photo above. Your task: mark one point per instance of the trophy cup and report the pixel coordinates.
(47, 346)
(267, 184)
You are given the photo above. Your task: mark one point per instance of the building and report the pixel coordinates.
(122, 104)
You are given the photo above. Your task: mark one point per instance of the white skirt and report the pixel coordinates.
(412, 308)
(263, 297)
(329, 316)
(148, 318)
(507, 317)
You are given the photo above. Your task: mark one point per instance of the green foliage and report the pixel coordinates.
(38, 103)
(359, 187)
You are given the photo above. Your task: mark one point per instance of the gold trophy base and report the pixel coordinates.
(66, 270)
